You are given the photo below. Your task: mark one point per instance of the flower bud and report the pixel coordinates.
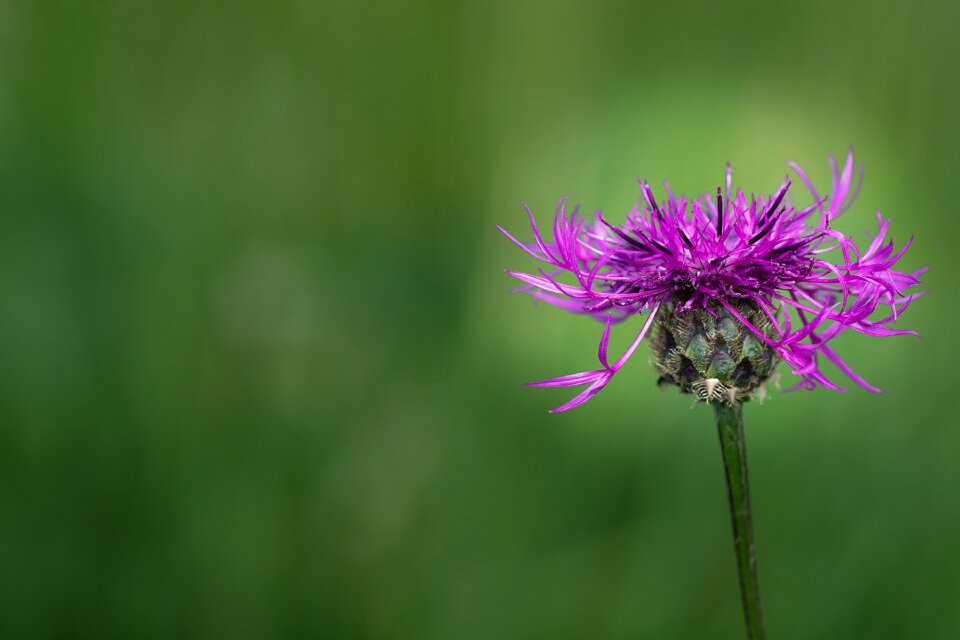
(711, 353)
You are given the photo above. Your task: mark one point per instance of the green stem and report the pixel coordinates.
(733, 445)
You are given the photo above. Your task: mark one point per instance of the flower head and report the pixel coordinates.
(786, 280)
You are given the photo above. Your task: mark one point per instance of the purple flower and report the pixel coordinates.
(718, 254)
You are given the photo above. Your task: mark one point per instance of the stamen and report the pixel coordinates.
(648, 194)
(765, 230)
(719, 214)
(778, 199)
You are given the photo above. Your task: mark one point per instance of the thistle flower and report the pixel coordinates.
(733, 285)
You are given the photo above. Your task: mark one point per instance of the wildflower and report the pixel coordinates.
(731, 285)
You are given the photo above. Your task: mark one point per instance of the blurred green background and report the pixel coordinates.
(260, 369)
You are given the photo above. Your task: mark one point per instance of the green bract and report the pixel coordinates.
(711, 353)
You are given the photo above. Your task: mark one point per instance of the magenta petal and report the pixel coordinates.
(602, 350)
(570, 380)
(583, 396)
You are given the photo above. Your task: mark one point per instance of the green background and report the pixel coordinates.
(260, 368)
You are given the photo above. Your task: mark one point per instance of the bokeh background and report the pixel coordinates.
(260, 368)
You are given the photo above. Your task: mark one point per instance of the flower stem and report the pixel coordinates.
(733, 446)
